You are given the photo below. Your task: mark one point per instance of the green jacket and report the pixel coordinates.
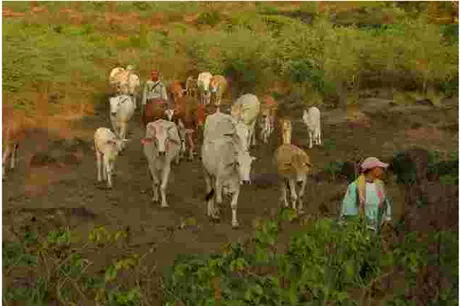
(375, 215)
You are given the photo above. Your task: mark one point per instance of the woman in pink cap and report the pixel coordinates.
(366, 196)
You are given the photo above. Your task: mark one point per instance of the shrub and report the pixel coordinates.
(209, 18)
(58, 270)
(321, 264)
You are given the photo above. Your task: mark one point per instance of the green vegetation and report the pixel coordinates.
(324, 51)
(59, 270)
(325, 263)
(443, 168)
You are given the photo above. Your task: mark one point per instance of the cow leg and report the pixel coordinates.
(292, 185)
(234, 200)
(113, 123)
(165, 176)
(155, 181)
(301, 194)
(211, 213)
(319, 136)
(108, 173)
(134, 100)
(5, 157)
(283, 189)
(99, 164)
(123, 133)
(14, 154)
(103, 168)
(218, 189)
(253, 134)
(310, 139)
(191, 146)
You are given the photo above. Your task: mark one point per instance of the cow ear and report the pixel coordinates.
(146, 140)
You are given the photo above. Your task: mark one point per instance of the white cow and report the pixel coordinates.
(226, 163)
(266, 125)
(121, 112)
(161, 146)
(191, 87)
(125, 81)
(246, 109)
(311, 118)
(107, 147)
(203, 84)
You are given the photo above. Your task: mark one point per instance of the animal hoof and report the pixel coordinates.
(235, 226)
(164, 205)
(154, 200)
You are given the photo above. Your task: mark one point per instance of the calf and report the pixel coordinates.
(121, 111)
(161, 146)
(293, 164)
(107, 147)
(311, 118)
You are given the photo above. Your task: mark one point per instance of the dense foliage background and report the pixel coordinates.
(326, 51)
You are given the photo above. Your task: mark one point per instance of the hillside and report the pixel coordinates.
(385, 77)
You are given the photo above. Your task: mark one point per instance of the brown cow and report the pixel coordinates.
(176, 90)
(185, 117)
(154, 110)
(218, 86)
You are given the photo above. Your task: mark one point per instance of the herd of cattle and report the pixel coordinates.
(171, 129)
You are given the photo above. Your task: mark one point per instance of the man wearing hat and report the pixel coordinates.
(154, 91)
(366, 196)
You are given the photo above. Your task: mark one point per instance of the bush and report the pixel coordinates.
(209, 18)
(259, 47)
(321, 264)
(58, 270)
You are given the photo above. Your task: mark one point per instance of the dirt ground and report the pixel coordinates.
(72, 197)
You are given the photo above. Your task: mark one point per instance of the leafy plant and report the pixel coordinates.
(65, 277)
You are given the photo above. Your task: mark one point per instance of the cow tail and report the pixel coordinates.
(209, 195)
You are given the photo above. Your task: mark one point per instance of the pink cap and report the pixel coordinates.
(372, 162)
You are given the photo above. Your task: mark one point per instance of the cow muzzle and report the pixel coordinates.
(161, 153)
(113, 114)
(246, 182)
(299, 182)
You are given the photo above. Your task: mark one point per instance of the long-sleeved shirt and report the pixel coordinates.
(154, 90)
